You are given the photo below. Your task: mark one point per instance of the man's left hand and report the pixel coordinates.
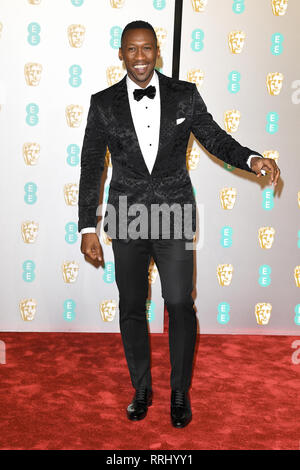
(267, 164)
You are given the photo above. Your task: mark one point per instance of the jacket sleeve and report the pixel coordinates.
(92, 165)
(217, 141)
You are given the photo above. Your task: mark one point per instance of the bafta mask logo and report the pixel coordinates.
(71, 194)
(117, 3)
(34, 2)
(74, 114)
(1, 29)
(70, 271)
(76, 34)
(108, 310)
(279, 7)
(33, 73)
(105, 238)
(273, 154)
(232, 119)
(224, 274)
(236, 41)
(196, 76)
(228, 198)
(274, 83)
(266, 237)
(152, 272)
(31, 153)
(297, 275)
(28, 309)
(114, 74)
(192, 156)
(263, 313)
(29, 230)
(161, 35)
(199, 5)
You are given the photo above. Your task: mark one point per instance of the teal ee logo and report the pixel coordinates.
(297, 315)
(223, 313)
(115, 34)
(197, 40)
(73, 152)
(264, 275)
(77, 3)
(109, 272)
(268, 199)
(71, 233)
(75, 79)
(276, 43)
(159, 4)
(234, 81)
(150, 310)
(226, 236)
(30, 196)
(69, 310)
(33, 37)
(105, 195)
(238, 6)
(272, 120)
(32, 118)
(28, 274)
(298, 243)
(228, 167)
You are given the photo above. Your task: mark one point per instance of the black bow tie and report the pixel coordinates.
(139, 93)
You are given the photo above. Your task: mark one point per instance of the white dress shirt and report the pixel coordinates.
(146, 119)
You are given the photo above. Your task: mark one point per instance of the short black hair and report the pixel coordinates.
(138, 24)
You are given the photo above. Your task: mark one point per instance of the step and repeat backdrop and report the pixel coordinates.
(243, 57)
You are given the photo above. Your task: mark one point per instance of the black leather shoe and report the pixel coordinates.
(139, 406)
(181, 413)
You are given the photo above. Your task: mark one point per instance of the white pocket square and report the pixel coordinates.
(179, 120)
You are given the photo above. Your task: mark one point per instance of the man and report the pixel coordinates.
(146, 120)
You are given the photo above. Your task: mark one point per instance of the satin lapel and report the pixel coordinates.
(125, 128)
(167, 117)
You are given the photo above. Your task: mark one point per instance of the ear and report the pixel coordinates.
(120, 54)
(158, 52)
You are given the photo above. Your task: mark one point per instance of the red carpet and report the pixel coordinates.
(70, 391)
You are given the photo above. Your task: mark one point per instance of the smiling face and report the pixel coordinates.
(139, 53)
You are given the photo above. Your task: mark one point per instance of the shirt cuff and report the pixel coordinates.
(88, 230)
(249, 163)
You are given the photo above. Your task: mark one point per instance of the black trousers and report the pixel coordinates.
(175, 267)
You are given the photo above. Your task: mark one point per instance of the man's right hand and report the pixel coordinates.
(91, 248)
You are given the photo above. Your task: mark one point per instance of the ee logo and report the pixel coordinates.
(73, 151)
(226, 240)
(75, 78)
(28, 271)
(197, 42)
(109, 272)
(150, 310)
(77, 3)
(32, 118)
(159, 4)
(33, 37)
(238, 6)
(299, 239)
(272, 120)
(234, 81)
(223, 313)
(276, 46)
(297, 315)
(268, 199)
(30, 193)
(71, 233)
(264, 275)
(115, 33)
(69, 310)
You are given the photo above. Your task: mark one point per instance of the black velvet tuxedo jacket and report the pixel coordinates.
(109, 123)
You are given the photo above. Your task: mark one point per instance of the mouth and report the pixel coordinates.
(140, 68)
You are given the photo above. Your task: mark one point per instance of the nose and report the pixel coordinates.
(140, 53)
